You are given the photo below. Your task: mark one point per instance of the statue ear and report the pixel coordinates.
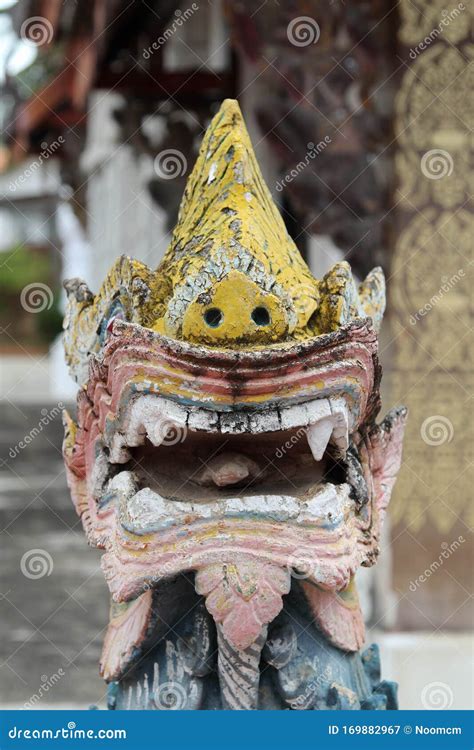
(125, 293)
(372, 296)
(341, 300)
(384, 446)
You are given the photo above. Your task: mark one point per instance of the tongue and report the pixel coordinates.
(227, 469)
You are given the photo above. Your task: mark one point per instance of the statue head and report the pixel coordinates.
(226, 415)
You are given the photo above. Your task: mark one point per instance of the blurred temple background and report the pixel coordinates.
(361, 115)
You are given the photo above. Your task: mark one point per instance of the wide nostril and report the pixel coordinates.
(260, 316)
(213, 317)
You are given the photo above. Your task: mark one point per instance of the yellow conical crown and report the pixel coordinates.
(232, 277)
(234, 272)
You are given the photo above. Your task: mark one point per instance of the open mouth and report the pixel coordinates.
(187, 457)
(242, 468)
(170, 465)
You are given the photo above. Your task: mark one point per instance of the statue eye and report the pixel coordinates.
(260, 316)
(115, 311)
(110, 323)
(213, 317)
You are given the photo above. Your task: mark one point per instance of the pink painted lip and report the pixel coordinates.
(241, 367)
(136, 359)
(134, 562)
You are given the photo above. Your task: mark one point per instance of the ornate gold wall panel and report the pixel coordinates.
(420, 17)
(431, 280)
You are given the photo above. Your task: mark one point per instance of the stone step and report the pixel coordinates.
(53, 598)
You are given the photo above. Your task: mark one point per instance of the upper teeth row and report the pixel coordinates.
(326, 419)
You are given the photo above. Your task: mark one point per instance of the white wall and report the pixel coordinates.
(122, 219)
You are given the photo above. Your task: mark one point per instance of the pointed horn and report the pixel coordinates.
(372, 296)
(126, 289)
(339, 298)
(78, 290)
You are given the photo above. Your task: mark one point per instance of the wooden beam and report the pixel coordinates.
(45, 102)
(160, 85)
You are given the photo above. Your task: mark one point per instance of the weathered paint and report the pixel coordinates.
(230, 251)
(231, 337)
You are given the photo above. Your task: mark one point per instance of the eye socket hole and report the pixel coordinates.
(213, 317)
(260, 316)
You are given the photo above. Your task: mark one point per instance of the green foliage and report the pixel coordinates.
(50, 322)
(19, 267)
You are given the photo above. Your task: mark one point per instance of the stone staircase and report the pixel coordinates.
(53, 599)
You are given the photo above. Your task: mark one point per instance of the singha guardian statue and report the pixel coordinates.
(226, 457)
